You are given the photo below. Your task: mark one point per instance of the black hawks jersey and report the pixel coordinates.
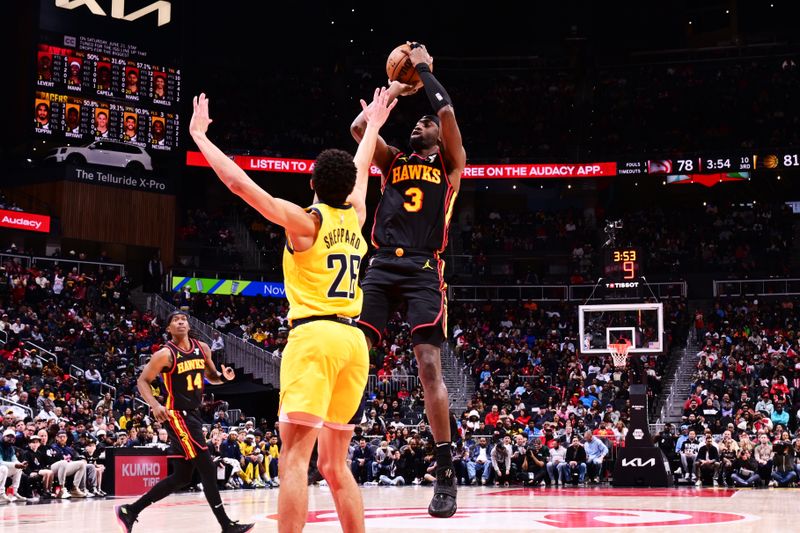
(416, 206)
(184, 380)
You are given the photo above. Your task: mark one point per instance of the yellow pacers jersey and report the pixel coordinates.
(246, 449)
(323, 280)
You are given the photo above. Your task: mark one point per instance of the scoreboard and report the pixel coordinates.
(730, 163)
(622, 265)
(86, 96)
(105, 79)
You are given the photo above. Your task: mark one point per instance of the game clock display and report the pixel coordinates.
(712, 164)
(622, 264)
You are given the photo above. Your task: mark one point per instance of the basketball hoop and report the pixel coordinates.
(619, 353)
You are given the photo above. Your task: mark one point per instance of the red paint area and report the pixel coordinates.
(619, 492)
(556, 518)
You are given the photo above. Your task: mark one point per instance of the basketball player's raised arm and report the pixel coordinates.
(291, 216)
(384, 154)
(454, 154)
(453, 149)
(375, 115)
(160, 360)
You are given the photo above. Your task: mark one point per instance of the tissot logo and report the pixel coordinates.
(117, 11)
(622, 285)
(637, 462)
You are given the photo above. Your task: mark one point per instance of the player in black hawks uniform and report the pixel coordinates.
(410, 231)
(182, 364)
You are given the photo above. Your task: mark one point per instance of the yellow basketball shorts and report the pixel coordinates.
(323, 372)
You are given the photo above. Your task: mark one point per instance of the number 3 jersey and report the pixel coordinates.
(416, 206)
(323, 280)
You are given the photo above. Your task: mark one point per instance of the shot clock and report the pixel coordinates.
(622, 264)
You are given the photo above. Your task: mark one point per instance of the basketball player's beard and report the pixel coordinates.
(417, 143)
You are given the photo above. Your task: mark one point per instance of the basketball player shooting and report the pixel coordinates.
(183, 364)
(410, 231)
(326, 360)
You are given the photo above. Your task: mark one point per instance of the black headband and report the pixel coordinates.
(433, 118)
(174, 314)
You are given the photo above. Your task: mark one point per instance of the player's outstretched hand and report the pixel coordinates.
(378, 110)
(200, 119)
(227, 372)
(403, 89)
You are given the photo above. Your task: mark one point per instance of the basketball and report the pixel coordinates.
(399, 67)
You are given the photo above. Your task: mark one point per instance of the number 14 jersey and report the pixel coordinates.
(323, 280)
(417, 204)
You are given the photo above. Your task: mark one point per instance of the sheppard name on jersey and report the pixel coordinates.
(342, 235)
(416, 172)
(191, 364)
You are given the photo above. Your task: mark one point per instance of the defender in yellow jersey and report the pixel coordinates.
(324, 366)
(326, 360)
(323, 280)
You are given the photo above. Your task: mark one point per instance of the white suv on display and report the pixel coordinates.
(111, 153)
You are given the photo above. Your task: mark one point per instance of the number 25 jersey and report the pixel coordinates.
(323, 280)
(416, 206)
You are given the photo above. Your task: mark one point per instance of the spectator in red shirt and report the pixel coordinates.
(575, 399)
(386, 371)
(779, 390)
(603, 431)
(403, 393)
(699, 323)
(492, 417)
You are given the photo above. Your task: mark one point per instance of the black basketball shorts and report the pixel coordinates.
(185, 430)
(416, 278)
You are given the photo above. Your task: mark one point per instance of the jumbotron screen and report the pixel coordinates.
(90, 87)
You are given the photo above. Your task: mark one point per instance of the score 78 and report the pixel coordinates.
(686, 165)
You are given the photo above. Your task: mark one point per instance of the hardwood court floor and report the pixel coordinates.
(390, 509)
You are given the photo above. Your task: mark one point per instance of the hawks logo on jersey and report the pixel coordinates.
(416, 172)
(190, 365)
(416, 206)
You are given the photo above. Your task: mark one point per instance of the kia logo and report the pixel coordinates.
(163, 8)
(638, 463)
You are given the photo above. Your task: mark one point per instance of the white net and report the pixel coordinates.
(619, 353)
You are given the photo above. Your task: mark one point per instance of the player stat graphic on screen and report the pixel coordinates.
(88, 88)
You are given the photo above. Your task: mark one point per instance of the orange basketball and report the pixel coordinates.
(399, 67)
